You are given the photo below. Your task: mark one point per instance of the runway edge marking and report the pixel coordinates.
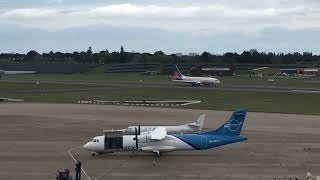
(74, 159)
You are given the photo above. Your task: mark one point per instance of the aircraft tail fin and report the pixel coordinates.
(199, 122)
(233, 126)
(177, 73)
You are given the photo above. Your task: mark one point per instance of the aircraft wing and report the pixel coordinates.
(159, 133)
(188, 81)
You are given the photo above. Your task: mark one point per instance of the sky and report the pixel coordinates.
(180, 26)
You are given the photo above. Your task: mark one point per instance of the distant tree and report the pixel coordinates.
(104, 52)
(121, 50)
(230, 54)
(33, 56)
(246, 54)
(205, 55)
(89, 51)
(158, 53)
(32, 53)
(160, 57)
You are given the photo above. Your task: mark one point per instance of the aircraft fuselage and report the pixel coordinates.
(170, 143)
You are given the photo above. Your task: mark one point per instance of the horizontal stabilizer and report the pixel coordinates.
(199, 122)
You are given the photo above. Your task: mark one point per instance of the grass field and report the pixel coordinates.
(31, 85)
(165, 79)
(122, 77)
(211, 99)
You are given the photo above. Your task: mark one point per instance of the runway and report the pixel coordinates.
(104, 85)
(35, 138)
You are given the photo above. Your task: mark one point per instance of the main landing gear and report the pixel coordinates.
(157, 153)
(195, 84)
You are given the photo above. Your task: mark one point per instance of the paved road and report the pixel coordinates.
(103, 85)
(35, 137)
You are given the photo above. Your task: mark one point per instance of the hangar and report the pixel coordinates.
(213, 71)
(308, 72)
(266, 71)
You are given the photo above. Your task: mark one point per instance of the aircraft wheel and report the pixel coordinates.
(157, 153)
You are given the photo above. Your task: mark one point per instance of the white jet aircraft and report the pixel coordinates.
(158, 141)
(185, 128)
(195, 81)
(2, 72)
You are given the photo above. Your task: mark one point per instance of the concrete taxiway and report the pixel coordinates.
(35, 139)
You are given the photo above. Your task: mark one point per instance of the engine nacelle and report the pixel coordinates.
(196, 84)
(151, 149)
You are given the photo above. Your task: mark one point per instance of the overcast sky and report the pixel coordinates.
(147, 26)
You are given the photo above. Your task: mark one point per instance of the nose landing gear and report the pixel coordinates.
(95, 153)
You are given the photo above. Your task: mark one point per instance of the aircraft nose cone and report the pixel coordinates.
(86, 146)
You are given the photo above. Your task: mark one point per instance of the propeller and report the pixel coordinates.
(105, 140)
(136, 134)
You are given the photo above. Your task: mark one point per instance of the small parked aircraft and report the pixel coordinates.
(158, 141)
(195, 81)
(2, 72)
(185, 128)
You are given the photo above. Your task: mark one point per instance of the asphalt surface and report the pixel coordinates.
(103, 85)
(35, 138)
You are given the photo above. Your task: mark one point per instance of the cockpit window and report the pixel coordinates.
(94, 140)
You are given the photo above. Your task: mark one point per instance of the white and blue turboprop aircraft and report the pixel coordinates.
(158, 141)
(194, 81)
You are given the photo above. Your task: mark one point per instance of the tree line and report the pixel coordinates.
(106, 57)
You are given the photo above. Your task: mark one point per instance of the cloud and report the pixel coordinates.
(21, 14)
(196, 19)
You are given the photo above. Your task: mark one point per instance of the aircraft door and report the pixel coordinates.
(204, 142)
(113, 142)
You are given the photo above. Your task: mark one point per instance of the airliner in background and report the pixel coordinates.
(194, 81)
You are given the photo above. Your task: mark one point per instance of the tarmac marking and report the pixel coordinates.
(192, 102)
(74, 159)
(143, 103)
(305, 91)
(118, 166)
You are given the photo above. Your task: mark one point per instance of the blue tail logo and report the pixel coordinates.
(233, 126)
